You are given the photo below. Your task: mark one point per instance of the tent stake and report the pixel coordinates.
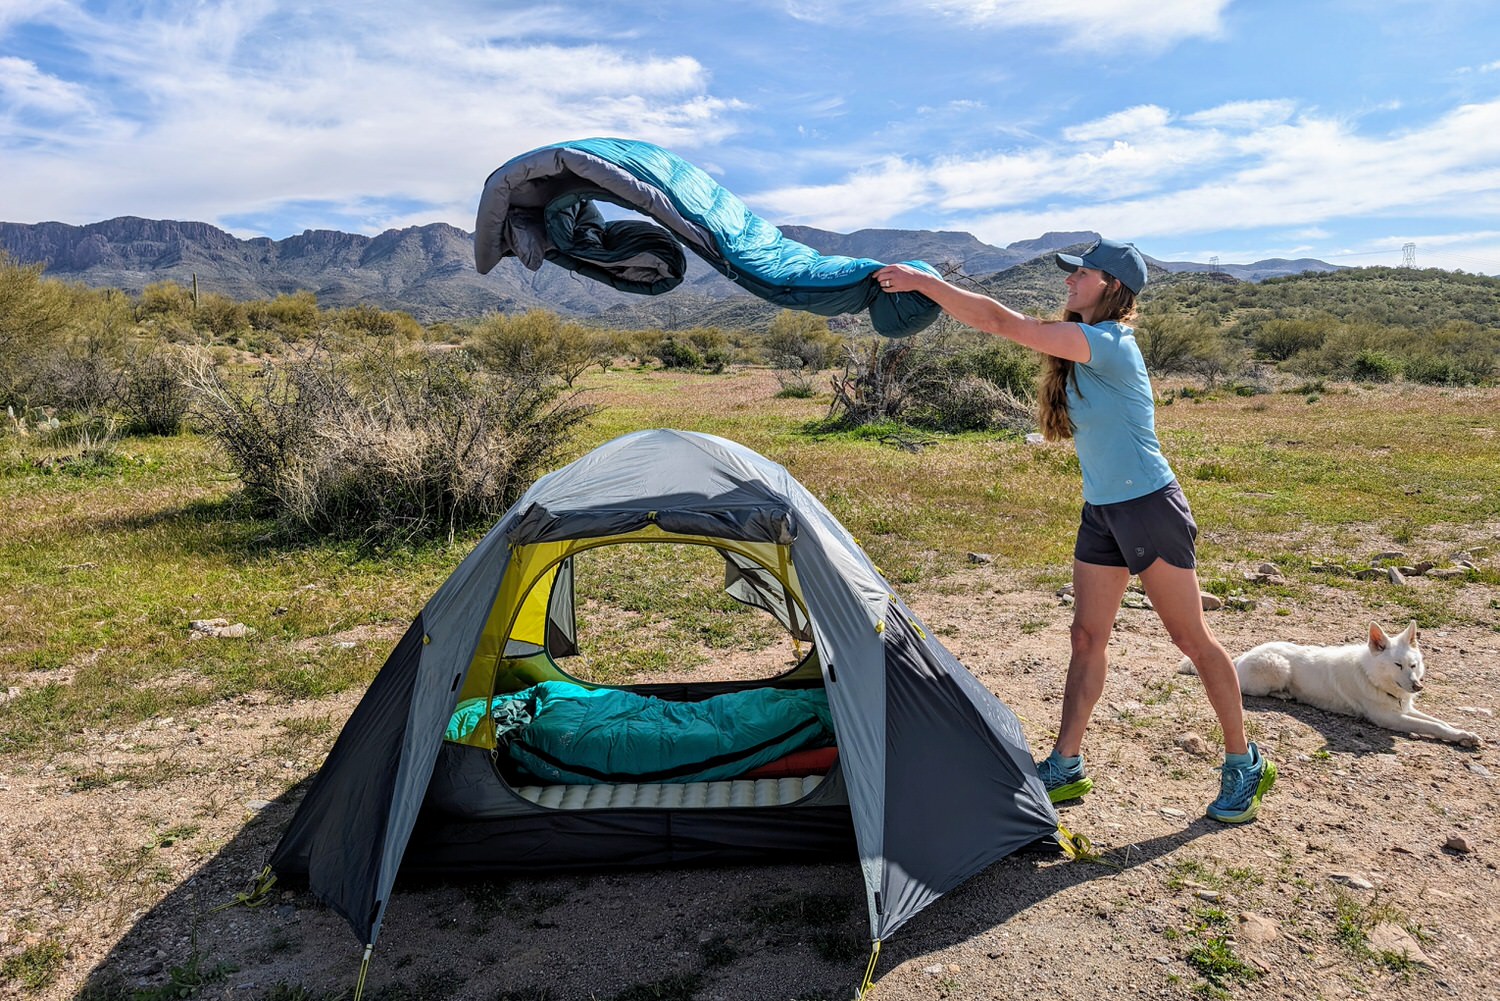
(364, 968)
(869, 980)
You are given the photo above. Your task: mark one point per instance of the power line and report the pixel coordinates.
(1363, 253)
(1444, 255)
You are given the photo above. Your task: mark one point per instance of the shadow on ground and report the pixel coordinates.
(785, 931)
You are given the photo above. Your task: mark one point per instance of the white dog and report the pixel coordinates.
(1377, 681)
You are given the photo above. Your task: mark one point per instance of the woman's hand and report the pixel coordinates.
(900, 278)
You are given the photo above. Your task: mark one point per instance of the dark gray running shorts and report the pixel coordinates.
(1134, 533)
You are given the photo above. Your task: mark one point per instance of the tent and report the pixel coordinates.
(543, 206)
(933, 780)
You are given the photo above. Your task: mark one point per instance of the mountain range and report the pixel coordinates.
(428, 271)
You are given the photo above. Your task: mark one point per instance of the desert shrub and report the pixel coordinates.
(1437, 370)
(968, 403)
(1458, 353)
(1339, 353)
(376, 322)
(798, 339)
(673, 353)
(33, 310)
(1371, 365)
(796, 384)
(388, 447)
(165, 299)
(1279, 340)
(1002, 364)
(537, 342)
(82, 365)
(153, 396)
(1171, 341)
(219, 315)
(293, 315)
(916, 382)
(713, 347)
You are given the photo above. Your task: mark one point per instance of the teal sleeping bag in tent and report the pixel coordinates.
(560, 732)
(541, 206)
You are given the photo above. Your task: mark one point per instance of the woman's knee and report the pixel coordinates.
(1088, 640)
(1202, 649)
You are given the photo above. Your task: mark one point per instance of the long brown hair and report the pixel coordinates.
(1118, 304)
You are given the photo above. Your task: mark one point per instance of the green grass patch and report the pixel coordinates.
(1352, 922)
(34, 968)
(1215, 960)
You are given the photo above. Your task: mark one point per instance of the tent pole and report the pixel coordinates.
(791, 603)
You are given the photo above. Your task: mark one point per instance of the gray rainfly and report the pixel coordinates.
(931, 779)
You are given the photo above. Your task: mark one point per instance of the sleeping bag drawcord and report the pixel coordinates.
(869, 980)
(364, 968)
(259, 892)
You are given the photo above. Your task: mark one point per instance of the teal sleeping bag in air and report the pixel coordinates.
(541, 206)
(566, 733)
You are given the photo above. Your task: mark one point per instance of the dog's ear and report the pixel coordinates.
(1411, 632)
(1378, 639)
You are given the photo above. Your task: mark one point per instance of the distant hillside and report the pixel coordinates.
(1275, 267)
(428, 271)
(1416, 299)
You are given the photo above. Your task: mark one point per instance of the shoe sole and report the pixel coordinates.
(1267, 779)
(1073, 790)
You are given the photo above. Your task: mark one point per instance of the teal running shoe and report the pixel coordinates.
(1241, 789)
(1063, 777)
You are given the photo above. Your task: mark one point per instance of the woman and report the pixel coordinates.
(1135, 519)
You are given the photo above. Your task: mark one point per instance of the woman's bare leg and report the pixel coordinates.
(1175, 594)
(1097, 591)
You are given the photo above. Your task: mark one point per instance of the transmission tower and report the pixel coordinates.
(1213, 265)
(1408, 255)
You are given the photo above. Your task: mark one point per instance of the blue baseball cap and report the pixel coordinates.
(1118, 260)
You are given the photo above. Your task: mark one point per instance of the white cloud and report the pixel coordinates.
(817, 11)
(1120, 125)
(22, 11)
(1248, 166)
(23, 87)
(237, 108)
(870, 197)
(1244, 114)
(1099, 24)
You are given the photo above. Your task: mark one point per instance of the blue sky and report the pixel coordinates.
(1237, 129)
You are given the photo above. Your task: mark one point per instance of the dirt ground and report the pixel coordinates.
(1366, 831)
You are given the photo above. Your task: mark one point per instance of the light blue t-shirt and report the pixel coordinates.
(1114, 418)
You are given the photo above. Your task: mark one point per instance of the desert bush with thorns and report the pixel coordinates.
(388, 447)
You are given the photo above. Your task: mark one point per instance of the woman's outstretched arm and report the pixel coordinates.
(1062, 340)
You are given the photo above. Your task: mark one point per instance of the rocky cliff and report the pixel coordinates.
(428, 271)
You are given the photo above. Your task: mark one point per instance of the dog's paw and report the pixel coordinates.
(1467, 739)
